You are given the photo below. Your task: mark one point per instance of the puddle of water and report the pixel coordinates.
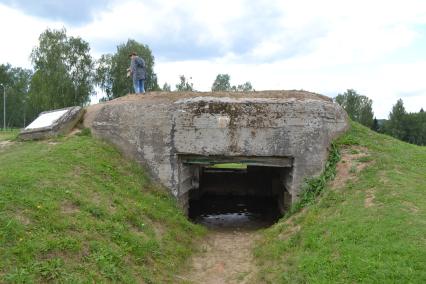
(234, 212)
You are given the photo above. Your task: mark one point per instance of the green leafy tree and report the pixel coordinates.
(359, 108)
(63, 72)
(366, 112)
(103, 76)
(16, 83)
(415, 128)
(246, 87)
(184, 85)
(111, 70)
(222, 83)
(376, 126)
(396, 124)
(167, 87)
(409, 127)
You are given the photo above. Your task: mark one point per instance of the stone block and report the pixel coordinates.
(52, 123)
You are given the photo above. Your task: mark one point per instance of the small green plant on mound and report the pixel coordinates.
(73, 210)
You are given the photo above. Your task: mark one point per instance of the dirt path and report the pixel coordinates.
(225, 257)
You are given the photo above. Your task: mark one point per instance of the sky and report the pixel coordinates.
(376, 47)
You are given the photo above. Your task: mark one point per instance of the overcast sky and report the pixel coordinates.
(376, 47)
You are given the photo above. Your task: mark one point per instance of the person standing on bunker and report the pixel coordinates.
(138, 72)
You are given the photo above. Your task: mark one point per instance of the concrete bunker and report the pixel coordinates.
(281, 136)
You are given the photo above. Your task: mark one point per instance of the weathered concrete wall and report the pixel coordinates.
(156, 128)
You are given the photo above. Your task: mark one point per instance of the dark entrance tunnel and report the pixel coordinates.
(236, 195)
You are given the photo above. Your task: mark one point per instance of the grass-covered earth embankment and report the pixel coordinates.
(371, 228)
(73, 210)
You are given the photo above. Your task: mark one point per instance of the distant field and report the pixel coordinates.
(371, 229)
(229, 166)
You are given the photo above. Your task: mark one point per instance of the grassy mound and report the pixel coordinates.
(73, 210)
(370, 229)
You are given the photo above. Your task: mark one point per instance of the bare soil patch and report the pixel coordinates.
(22, 218)
(350, 165)
(369, 200)
(290, 230)
(225, 257)
(4, 144)
(68, 207)
(383, 178)
(411, 207)
(174, 96)
(289, 226)
(74, 131)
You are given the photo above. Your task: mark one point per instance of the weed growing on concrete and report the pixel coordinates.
(314, 186)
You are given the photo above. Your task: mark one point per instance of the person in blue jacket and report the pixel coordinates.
(138, 72)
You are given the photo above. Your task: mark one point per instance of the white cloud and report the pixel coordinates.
(19, 34)
(324, 46)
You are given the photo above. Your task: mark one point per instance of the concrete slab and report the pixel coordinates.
(52, 123)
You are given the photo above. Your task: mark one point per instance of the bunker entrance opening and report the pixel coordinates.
(236, 193)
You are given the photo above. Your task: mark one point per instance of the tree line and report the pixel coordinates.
(408, 127)
(65, 74)
(222, 83)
